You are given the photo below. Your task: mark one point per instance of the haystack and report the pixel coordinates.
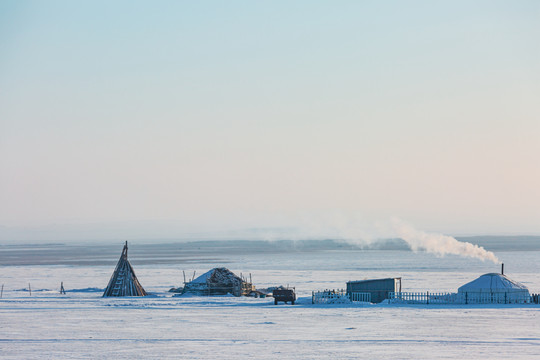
(123, 280)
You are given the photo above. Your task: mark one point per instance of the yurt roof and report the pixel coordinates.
(493, 282)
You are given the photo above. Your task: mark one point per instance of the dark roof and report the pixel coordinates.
(369, 280)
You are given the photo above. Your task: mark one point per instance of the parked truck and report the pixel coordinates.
(285, 295)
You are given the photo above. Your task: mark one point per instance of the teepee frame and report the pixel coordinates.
(123, 280)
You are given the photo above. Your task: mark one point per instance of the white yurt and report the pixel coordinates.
(493, 288)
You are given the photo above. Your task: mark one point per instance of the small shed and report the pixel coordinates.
(378, 288)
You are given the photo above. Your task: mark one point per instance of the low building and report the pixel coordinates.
(378, 288)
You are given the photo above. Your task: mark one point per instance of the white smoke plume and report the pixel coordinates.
(439, 244)
(365, 234)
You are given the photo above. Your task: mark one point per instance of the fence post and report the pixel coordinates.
(427, 298)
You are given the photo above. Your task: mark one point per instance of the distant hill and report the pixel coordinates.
(170, 252)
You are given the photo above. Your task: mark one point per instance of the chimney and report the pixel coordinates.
(502, 269)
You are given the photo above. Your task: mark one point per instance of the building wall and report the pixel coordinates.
(378, 288)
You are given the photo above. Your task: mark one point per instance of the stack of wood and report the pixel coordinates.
(123, 280)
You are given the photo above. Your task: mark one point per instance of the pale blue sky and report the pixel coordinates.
(225, 115)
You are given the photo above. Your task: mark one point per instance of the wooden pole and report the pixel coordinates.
(183, 272)
(29, 289)
(193, 275)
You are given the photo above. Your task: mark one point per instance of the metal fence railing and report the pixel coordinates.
(341, 297)
(494, 298)
(422, 297)
(460, 298)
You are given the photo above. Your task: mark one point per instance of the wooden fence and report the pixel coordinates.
(360, 297)
(338, 297)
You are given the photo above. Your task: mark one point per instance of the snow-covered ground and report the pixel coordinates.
(81, 324)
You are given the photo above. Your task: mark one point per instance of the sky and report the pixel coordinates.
(161, 119)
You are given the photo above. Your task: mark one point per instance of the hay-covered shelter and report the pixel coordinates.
(123, 280)
(218, 281)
